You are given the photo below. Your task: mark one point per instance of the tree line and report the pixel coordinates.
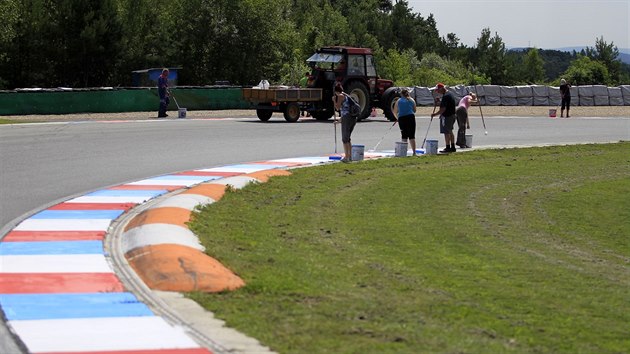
(92, 43)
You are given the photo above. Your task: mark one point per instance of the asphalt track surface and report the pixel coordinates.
(43, 164)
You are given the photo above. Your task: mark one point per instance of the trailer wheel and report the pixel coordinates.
(264, 114)
(292, 112)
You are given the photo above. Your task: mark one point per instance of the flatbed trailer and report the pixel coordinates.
(289, 101)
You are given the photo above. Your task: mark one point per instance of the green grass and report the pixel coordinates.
(6, 121)
(517, 250)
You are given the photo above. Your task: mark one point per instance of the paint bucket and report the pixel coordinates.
(400, 149)
(552, 113)
(468, 140)
(357, 152)
(432, 146)
(181, 113)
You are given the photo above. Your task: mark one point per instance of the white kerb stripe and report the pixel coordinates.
(76, 263)
(64, 225)
(157, 234)
(101, 334)
(237, 182)
(185, 201)
(97, 199)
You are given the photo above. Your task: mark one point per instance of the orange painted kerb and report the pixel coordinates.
(214, 191)
(170, 267)
(174, 267)
(264, 176)
(166, 215)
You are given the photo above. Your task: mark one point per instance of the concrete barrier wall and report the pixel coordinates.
(110, 100)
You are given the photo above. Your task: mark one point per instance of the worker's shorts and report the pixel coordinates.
(407, 126)
(446, 124)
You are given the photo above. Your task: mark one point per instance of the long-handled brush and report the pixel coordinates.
(482, 120)
(429, 127)
(480, 112)
(384, 135)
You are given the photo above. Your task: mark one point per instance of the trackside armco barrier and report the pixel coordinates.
(111, 100)
(138, 99)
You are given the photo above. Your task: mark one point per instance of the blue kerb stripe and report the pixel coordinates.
(183, 178)
(50, 248)
(78, 214)
(126, 193)
(57, 306)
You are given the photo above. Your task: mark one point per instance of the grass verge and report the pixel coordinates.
(514, 250)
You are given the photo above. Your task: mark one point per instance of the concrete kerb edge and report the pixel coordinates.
(161, 303)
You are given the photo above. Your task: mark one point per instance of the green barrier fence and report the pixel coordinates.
(117, 100)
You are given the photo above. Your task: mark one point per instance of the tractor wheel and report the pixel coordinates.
(390, 97)
(359, 92)
(292, 112)
(264, 114)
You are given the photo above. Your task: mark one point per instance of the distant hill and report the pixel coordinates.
(624, 53)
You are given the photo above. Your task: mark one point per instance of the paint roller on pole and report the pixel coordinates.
(384, 135)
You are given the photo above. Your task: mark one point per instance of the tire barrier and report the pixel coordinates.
(532, 95)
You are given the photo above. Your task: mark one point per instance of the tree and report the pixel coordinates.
(87, 37)
(534, 67)
(490, 56)
(8, 33)
(586, 71)
(608, 55)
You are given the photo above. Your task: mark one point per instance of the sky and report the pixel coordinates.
(547, 24)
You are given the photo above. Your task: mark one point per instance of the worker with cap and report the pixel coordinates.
(565, 94)
(163, 93)
(447, 117)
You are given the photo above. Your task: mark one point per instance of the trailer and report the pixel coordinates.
(289, 101)
(352, 68)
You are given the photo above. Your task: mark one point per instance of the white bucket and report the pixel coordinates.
(181, 113)
(357, 152)
(432, 147)
(552, 113)
(469, 140)
(401, 149)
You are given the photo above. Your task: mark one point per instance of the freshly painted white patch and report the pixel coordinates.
(236, 181)
(156, 234)
(185, 201)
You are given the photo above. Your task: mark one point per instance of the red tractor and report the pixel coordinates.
(353, 68)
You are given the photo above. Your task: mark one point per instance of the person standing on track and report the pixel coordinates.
(462, 118)
(163, 93)
(565, 94)
(304, 84)
(340, 100)
(447, 117)
(404, 111)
